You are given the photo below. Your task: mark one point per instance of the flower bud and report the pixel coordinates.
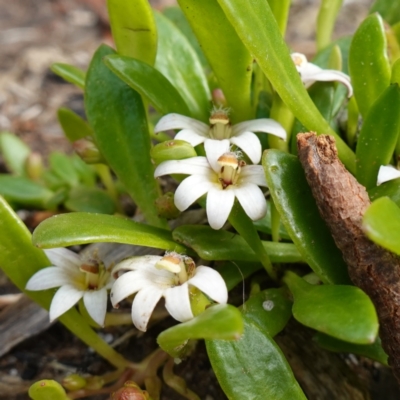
(172, 150)
(74, 382)
(166, 207)
(88, 151)
(130, 391)
(34, 165)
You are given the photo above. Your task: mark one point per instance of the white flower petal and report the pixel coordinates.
(250, 144)
(387, 173)
(253, 174)
(177, 121)
(135, 263)
(266, 125)
(252, 200)
(48, 278)
(63, 258)
(188, 166)
(95, 302)
(211, 283)
(177, 302)
(219, 206)
(327, 75)
(190, 189)
(191, 136)
(65, 298)
(135, 281)
(143, 306)
(214, 150)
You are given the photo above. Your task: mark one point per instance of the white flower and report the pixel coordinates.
(311, 73)
(77, 278)
(153, 277)
(387, 173)
(220, 132)
(223, 178)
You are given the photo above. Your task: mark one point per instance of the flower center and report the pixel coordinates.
(299, 59)
(220, 127)
(176, 264)
(230, 169)
(96, 274)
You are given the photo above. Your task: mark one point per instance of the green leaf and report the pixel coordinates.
(47, 390)
(389, 189)
(179, 63)
(326, 19)
(299, 213)
(61, 165)
(81, 228)
(253, 367)
(227, 55)
(19, 260)
(257, 28)
(176, 15)
(14, 152)
(378, 136)
(264, 224)
(221, 321)
(373, 351)
(70, 74)
(118, 117)
(133, 29)
(211, 244)
(235, 272)
(344, 312)
(270, 310)
(368, 63)
(24, 192)
(93, 200)
(73, 125)
(388, 9)
(280, 9)
(149, 82)
(381, 223)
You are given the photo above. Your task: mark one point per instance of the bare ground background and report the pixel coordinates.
(34, 34)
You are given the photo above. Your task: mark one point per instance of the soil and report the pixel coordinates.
(33, 35)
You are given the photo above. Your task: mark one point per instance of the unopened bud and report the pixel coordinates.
(88, 151)
(166, 207)
(172, 150)
(130, 391)
(34, 166)
(94, 383)
(218, 98)
(74, 382)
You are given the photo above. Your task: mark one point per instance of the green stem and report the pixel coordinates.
(326, 21)
(275, 222)
(245, 227)
(280, 9)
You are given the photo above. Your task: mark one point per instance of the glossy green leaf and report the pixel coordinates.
(61, 165)
(253, 367)
(176, 15)
(211, 244)
(235, 272)
(344, 312)
(280, 9)
(378, 136)
(70, 74)
(389, 189)
(395, 78)
(24, 192)
(172, 150)
(264, 224)
(118, 118)
(227, 55)
(270, 310)
(81, 228)
(74, 126)
(257, 28)
(149, 82)
(381, 223)
(86, 173)
(19, 260)
(93, 200)
(179, 63)
(373, 351)
(368, 63)
(220, 321)
(47, 390)
(388, 9)
(133, 29)
(299, 213)
(14, 152)
(326, 19)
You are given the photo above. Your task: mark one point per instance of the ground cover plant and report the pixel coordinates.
(204, 106)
